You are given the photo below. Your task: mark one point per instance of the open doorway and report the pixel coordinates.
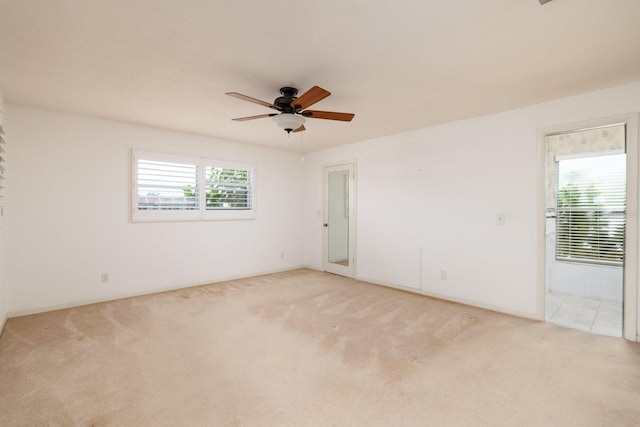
(586, 228)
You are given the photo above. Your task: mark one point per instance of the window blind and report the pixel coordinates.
(591, 209)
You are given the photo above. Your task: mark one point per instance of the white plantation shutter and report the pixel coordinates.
(591, 209)
(167, 185)
(174, 188)
(228, 188)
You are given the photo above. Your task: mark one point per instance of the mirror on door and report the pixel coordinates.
(338, 217)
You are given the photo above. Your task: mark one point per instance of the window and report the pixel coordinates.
(228, 187)
(175, 188)
(591, 205)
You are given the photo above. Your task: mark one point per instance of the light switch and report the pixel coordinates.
(501, 219)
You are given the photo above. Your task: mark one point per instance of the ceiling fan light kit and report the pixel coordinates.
(292, 117)
(288, 121)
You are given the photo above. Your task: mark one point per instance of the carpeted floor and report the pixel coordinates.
(305, 348)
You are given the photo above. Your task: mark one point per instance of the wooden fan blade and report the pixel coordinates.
(300, 129)
(329, 115)
(250, 99)
(309, 98)
(244, 119)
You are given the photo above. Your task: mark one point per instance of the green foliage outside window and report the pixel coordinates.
(225, 189)
(586, 228)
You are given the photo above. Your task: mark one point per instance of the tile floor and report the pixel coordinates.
(586, 314)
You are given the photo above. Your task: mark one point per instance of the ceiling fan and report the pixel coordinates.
(292, 109)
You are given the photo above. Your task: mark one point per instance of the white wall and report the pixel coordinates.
(70, 217)
(449, 183)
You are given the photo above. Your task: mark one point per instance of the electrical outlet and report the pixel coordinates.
(104, 277)
(443, 274)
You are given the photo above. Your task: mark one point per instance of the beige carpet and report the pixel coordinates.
(305, 348)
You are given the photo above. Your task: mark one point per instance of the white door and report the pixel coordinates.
(339, 219)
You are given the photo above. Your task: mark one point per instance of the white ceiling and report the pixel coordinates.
(397, 65)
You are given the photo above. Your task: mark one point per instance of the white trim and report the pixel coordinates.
(541, 222)
(584, 129)
(449, 298)
(630, 310)
(79, 303)
(630, 321)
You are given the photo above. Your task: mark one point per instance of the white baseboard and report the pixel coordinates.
(532, 316)
(79, 303)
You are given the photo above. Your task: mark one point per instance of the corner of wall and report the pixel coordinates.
(3, 321)
(3, 252)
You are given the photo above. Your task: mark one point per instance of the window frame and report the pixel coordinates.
(201, 213)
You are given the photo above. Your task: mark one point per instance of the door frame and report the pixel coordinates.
(350, 269)
(630, 273)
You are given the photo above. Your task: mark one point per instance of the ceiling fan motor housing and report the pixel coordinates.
(284, 102)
